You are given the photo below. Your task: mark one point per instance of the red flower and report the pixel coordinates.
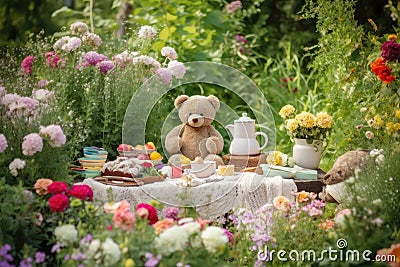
(58, 203)
(147, 164)
(82, 192)
(57, 188)
(382, 71)
(152, 217)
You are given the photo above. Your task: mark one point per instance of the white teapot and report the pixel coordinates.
(244, 137)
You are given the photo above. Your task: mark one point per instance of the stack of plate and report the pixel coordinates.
(94, 159)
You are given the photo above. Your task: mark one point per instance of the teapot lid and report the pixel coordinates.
(244, 118)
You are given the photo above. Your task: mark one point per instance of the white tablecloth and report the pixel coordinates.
(213, 199)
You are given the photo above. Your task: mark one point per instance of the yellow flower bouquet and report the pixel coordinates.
(306, 125)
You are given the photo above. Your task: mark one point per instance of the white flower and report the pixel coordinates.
(147, 32)
(369, 134)
(177, 68)
(93, 250)
(214, 239)
(61, 42)
(147, 60)
(379, 159)
(79, 28)
(72, 44)
(171, 240)
(375, 152)
(191, 228)
(111, 252)
(55, 135)
(169, 52)
(16, 164)
(66, 234)
(363, 109)
(92, 39)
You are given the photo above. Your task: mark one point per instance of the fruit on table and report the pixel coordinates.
(125, 147)
(139, 147)
(184, 160)
(155, 155)
(150, 145)
(143, 157)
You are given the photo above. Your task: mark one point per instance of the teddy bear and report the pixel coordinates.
(344, 167)
(195, 137)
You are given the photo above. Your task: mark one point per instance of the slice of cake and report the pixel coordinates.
(123, 167)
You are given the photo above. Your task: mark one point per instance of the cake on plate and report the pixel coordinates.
(123, 167)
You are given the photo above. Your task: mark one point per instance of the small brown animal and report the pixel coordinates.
(343, 169)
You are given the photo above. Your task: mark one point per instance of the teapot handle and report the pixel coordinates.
(265, 137)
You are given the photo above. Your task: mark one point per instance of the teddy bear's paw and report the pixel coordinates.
(211, 146)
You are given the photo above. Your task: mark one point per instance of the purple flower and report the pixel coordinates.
(55, 135)
(3, 143)
(32, 143)
(229, 235)
(40, 257)
(92, 39)
(93, 58)
(26, 65)
(78, 257)
(177, 68)
(56, 248)
(232, 7)
(87, 239)
(391, 51)
(106, 66)
(165, 74)
(26, 262)
(4, 256)
(172, 213)
(151, 260)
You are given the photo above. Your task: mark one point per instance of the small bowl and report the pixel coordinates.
(203, 170)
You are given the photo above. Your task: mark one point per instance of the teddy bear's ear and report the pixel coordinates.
(214, 101)
(180, 99)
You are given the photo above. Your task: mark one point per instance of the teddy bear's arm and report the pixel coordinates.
(173, 140)
(215, 142)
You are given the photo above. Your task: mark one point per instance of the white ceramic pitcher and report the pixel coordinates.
(244, 137)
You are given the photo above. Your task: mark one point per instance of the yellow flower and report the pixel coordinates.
(277, 158)
(378, 120)
(306, 119)
(398, 113)
(392, 37)
(129, 263)
(303, 196)
(389, 128)
(396, 126)
(292, 125)
(286, 111)
(323, 120)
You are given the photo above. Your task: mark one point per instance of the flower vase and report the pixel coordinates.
(307, 155)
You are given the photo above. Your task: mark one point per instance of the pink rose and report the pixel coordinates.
(57, 188)
(82, 192)
(152, 217)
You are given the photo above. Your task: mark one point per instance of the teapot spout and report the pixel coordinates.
(231, 129)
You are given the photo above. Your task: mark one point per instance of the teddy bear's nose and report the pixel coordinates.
(195, 120)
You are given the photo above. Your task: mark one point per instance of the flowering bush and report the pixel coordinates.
(305, 125)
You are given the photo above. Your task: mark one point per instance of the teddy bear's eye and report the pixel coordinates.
(201, 114)
(190, 114)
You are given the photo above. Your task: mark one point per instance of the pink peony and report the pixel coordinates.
(82, 192)
(32, 143)
(172, 213)
(93, 58)
(58, 202)
(152, 217)
(55, 135)
(72, 44)
(61, 42)
(165, 74)
(124, 220)
(3, 143)
(8, 99)
(106, 66)
(53, 60)
(177, 68)
(26, 65)
(57, 187)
